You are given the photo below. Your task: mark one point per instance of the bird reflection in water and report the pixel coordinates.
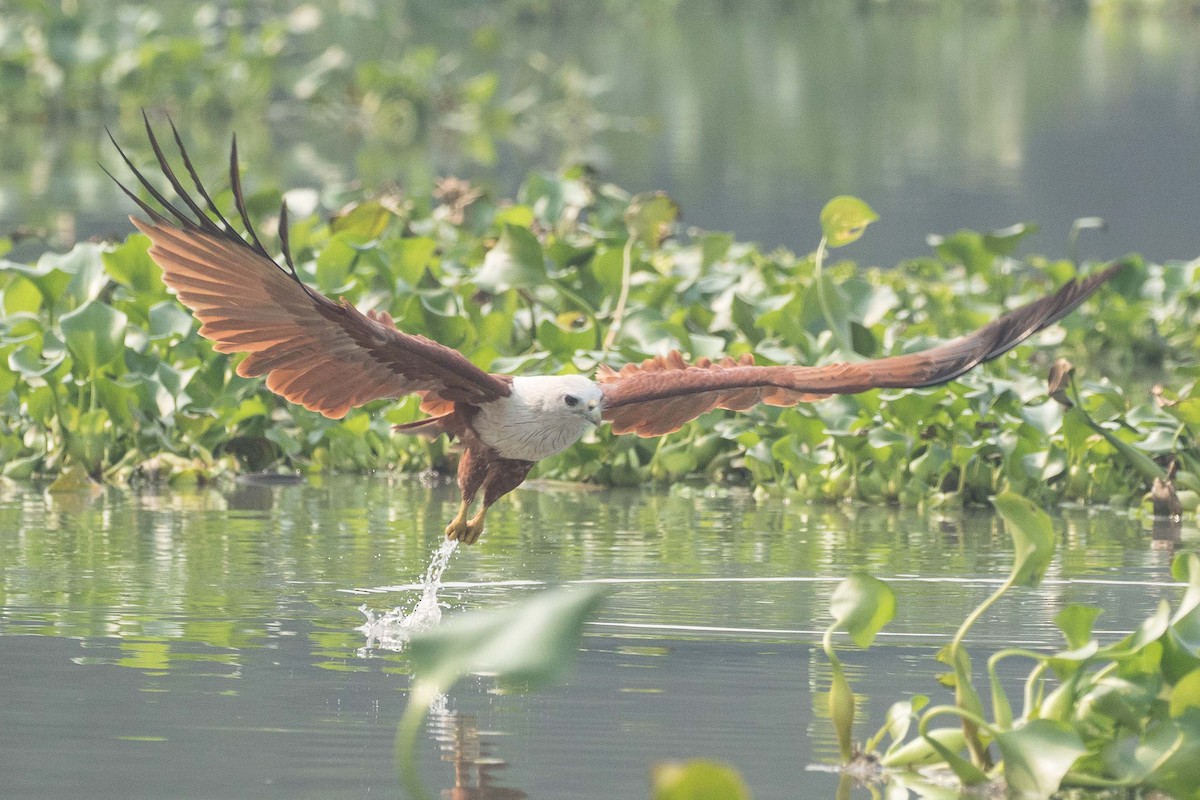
(465, 746)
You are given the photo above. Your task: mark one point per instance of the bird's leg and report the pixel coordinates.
(474, 526)
(472, 472)
(459, 525)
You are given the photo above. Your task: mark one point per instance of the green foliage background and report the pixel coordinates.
(99, 365)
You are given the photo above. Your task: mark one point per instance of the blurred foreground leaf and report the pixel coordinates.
(528, 644)
(698, 780)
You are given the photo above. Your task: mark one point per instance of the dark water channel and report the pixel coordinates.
(205, 643)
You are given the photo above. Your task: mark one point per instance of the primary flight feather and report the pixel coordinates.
(329, 357)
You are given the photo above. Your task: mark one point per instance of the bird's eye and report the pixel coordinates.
(571, 400)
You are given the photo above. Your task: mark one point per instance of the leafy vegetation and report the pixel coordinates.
(101, 368)
(1120, 715)
(524, 646)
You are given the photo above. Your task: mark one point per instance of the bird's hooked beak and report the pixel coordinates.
(592, 414)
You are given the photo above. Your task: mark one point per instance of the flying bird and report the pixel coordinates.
(329, 357)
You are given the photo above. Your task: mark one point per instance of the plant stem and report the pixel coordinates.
(407, 731)
(836, 327)
(964, 687)
(619, 311)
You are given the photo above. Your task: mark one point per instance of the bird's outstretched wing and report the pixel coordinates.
(325, 356)
(661, 394)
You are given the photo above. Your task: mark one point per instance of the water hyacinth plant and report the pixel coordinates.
(1122, 715)
(101, 368)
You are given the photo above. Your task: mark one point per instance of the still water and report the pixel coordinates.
(207, 643)
(752, 115)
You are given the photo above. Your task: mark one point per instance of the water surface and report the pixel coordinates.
(941, 115)
(206, 643)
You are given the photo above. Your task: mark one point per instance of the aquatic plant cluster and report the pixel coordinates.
(1122, 715)
(100, 367)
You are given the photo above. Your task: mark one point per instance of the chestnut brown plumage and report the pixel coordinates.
(329, 357)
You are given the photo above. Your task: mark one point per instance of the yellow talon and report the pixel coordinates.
(459, 527)
(474, 527)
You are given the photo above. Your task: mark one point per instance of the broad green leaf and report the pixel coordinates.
(519, 215)
(861, 605)
(21, 295)
(84, 264)
(1032, 532)
(410, 256)
(516, 262)
(697, 780)
(567, 335)
(1149, 632)
(530, 643)
(167, 319)
(1076, 621)
(131, 266)
(921, 753)
(27, 362)
(95, 334)
(844, 219)
(1186, 693)
(1037, 756)
(650, 217)
(336, 262)
(366, 220)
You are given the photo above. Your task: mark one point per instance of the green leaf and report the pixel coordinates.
(1032, 532)
(1186, 693)
(862, 605)
(95, 334)
(967, 772)
(650, 217)
(529, 644)
(1038, 755)
(86, 268)
(921, 753)
(697, 780)
(131, 266)
(841, 711)
(410, 257)
(844, 219)
(1076, 621)
(167, 319)
(336, 262)
(366, 220)
(516, 262)
(21, 295)
(27, 362)
(1004, 242)
(1149, 632)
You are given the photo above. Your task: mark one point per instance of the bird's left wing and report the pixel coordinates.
(325, 356)
(661, 394)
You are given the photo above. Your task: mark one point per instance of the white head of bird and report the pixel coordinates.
(544, 415)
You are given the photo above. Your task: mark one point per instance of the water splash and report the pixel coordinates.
(391, 630)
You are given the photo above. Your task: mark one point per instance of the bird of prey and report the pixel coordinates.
(329, 357)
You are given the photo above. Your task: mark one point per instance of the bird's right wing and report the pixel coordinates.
(661, 394)
(325, 356)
